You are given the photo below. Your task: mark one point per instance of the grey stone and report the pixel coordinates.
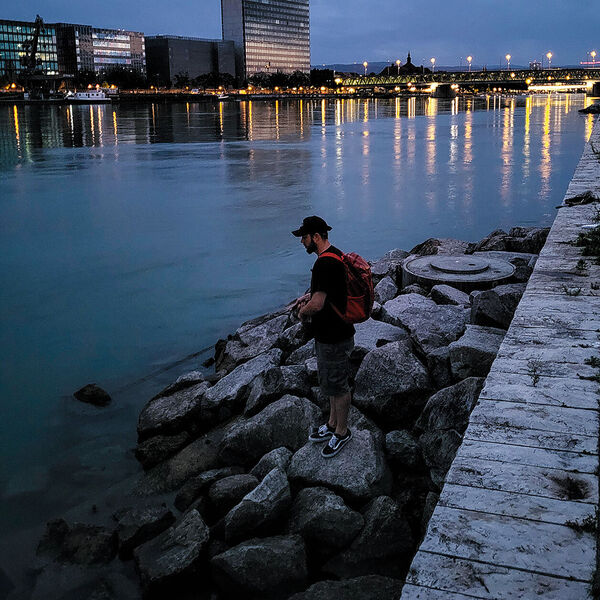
(376, 310)
(324, 520)
(510, 295)
(195, 486)
(446, 294)
(403, 451)
(225, 493)
(488, 310)
(182, 382)
(527, 239)
(250, 340)
(201, 455)
(473, 354)
(312, 369)
(391, 383)
(443, 422)
(292, 338)
(414, 288)
(388, 265)
(383, 547)
(171, 414)
(280, 458)
(154, 450)
(275, 383)
(302, 354)
(173, 554)
(136, 526)
(430, 326)
(438, 363)
(358, 473)
(80, 543)
(266, 568)
(260, 508)
(514, 258)
(372, 334)
(285, 422)
(430, 504)
(446, 246)
(222, 400)
(93, 394)
(385, 290)
(496, 240)
(367, 587)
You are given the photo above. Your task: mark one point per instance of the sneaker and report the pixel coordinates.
(321, 434)
(335, 444)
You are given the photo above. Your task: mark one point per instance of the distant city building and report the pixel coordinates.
(168, 56)
(535, 65)
(87, 48)
(269, 36)
(15, 40)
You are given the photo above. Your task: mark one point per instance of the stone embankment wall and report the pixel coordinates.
(517, 514)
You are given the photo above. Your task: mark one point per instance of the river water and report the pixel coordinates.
(133, 236)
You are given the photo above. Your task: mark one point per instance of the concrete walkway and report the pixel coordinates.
(527, 470)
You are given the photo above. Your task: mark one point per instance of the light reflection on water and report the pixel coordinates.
(134, 235)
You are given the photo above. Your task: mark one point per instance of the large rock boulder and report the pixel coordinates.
(201, 455)
(80, 543)
(496, 307)
(383, 547)
(438, 363)
(136, 526)
(187, 380)
(285, 422)
(324, 520)
(279, 458)
(443, 422)
(430, 326)
(358, 473)
(173, 555)
(275, 383)
(446, 246)
(373, 334)
(154, 450)
(302, 354)
(388, 265)
(268, 568)
(446, 294)
(173, 413)
(391, 383)
(529, 240)
(225, 493)
(261, 508)
(93, 394)
(473, 354)
(385, 290)
(222, 400)
(292, 338)
(251, 339)
(194, 487)
(403, 451)
(368, 587)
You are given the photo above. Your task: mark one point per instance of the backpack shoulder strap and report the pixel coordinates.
(331, 255)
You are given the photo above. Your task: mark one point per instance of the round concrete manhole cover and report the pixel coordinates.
(466, 265)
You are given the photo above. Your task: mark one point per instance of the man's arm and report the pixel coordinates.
(314, 305)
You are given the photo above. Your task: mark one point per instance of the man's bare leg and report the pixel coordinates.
(342, 407)
(333, 419)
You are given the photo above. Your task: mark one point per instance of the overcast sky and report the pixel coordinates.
(357, 30)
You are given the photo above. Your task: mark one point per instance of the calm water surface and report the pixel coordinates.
(132, 237)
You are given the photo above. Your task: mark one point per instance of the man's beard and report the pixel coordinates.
(312, 247)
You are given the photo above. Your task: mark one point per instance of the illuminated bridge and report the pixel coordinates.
(559, 79)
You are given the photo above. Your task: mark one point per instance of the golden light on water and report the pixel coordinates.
(114, 115)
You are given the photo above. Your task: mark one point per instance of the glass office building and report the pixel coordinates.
(269, 35)
(14, 37)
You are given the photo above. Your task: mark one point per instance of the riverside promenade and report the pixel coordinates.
(517, 514)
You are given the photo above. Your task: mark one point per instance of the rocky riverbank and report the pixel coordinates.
(233, 500)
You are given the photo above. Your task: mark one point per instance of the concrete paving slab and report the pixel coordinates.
(551, 353)
(530, 437)
(489, 581)
(415, 592)
(544, 366)
(524, 479)
(524, 506)
(510, 542)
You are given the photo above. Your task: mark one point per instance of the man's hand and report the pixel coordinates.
(314, 305)
(296, 306)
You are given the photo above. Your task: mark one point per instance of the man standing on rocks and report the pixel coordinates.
(334, 338)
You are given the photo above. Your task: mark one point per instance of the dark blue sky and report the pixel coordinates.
(357, 30)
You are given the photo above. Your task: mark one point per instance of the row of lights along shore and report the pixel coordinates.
(549, 56)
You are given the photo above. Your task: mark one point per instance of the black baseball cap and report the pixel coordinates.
(312, 224)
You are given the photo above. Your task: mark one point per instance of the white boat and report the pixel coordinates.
(88, 97)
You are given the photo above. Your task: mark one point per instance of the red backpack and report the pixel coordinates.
(359, 285)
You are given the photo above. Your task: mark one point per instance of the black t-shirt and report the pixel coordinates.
(329, 276)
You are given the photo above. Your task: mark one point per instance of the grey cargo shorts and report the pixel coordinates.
(333, 362)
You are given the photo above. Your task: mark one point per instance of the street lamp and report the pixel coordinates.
(398, 63)
(365, 65)
(593, 55)
(469, 59)
(549, 57)
(507, 62)
(433, 64)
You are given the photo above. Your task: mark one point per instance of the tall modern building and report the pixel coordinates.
(86, 48)
(269, 35)
(15, 36)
